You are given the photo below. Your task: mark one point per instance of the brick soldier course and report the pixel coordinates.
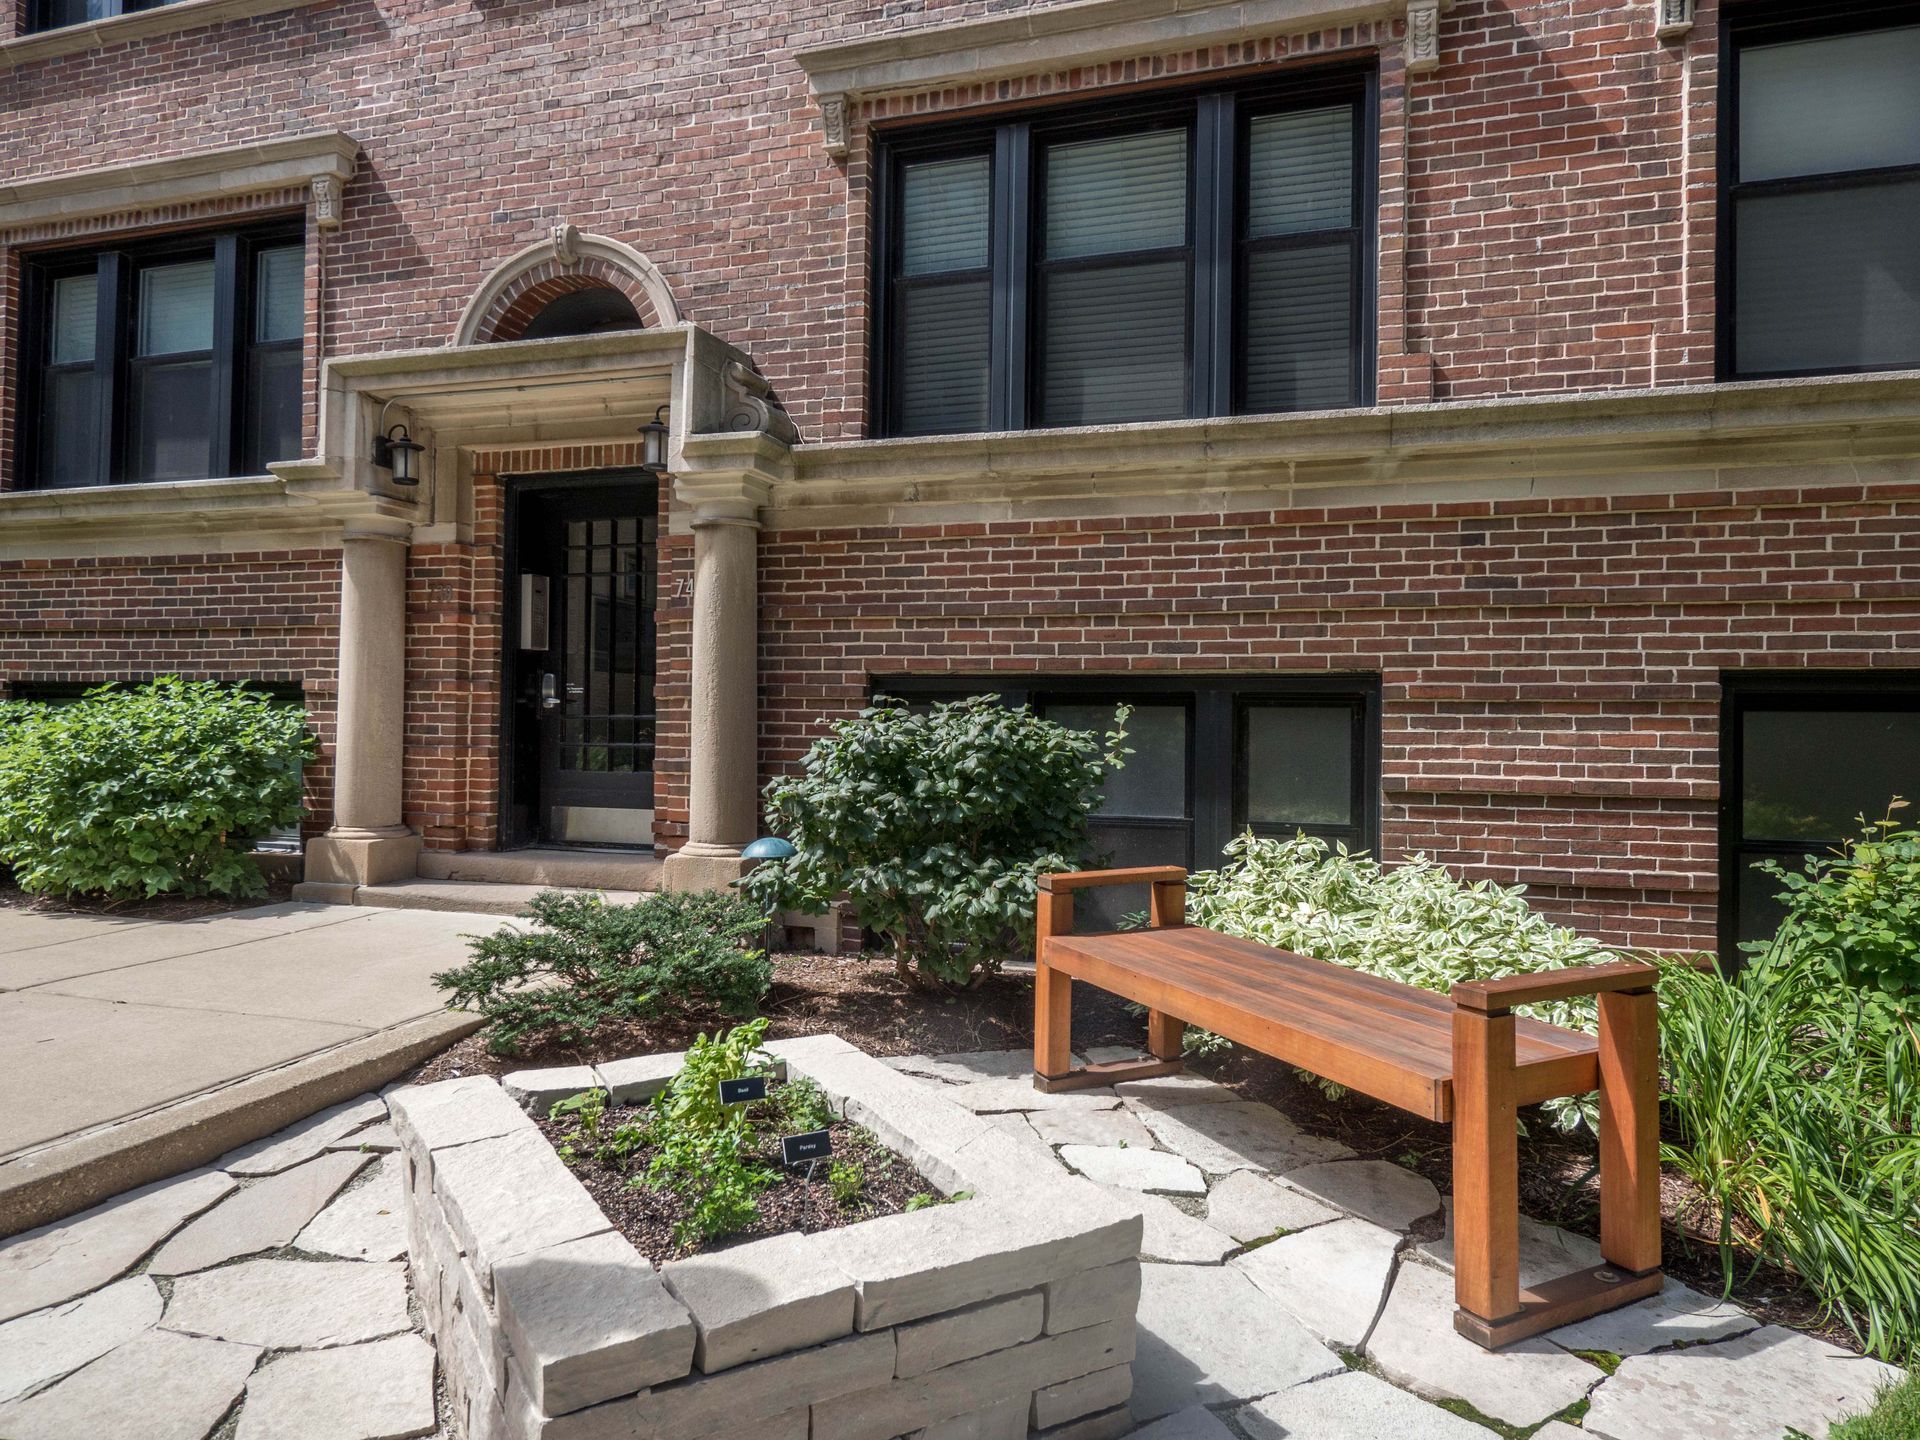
(1549, 539)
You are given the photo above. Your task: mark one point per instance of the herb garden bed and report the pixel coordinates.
(861, 1179)
(1012, 1309)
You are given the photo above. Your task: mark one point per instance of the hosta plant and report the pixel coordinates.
(1412, 922)
(935, 825)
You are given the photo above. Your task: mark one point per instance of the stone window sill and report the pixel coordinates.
(137, 25)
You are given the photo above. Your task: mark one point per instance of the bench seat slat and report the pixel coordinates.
(1384, 1039)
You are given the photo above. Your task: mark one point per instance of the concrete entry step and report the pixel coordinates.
(475, 897)
(570, 868)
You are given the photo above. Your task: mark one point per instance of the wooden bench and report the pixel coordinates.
(1465, 1059)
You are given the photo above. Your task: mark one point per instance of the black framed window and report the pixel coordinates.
(1212, 757)
(173, 359)
(1820, 171)
(1801, 757)
(57, 14)
(1201, 254)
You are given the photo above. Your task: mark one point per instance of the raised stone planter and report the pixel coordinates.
(1008, 1313)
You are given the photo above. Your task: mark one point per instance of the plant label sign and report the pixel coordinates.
(743, 1091)
(814, 1145)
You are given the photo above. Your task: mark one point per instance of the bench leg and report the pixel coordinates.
(1486, 1169)
(1493, 1309)
(1164, 1035)
(1630, 1131)
(1052, 1023)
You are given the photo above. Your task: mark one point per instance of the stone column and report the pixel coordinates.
(723, 808)
(720, 482)
(369, 844)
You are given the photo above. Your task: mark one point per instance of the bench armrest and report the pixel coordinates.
(1496, 997)
(1092, 879)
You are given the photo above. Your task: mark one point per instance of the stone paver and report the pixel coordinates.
(972, 1065)
(1331, 1278)
(1196, 1422)
(1414, 1344)
(1748, 1388)
(1237, 1135)
(57, 1262)
(158, 1386)
(50, 1343)
(1208, 1335)
(1090, 1127)
(291, 1304)
(1678, 1313)
(1545, 1250)
(1251, 1206)
(992, 1097)
(1131, 1168)
(366, 1222)
(1352, 1406)
(382, 1390)
(1376, 1190)
(374, 1137)
(1170, 1234)
(302, 1141)
(638, 1077)
(264, 1216)
(1182, 1089)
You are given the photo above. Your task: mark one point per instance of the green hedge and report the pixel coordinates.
(161, 788)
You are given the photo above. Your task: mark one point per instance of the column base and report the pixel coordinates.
(363, 857)
(697, 866)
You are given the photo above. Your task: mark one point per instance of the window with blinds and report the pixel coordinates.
(1203, 255)
(1819, 271)
(175, 359)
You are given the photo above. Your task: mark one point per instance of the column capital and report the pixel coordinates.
(377, 527)
(727, 478)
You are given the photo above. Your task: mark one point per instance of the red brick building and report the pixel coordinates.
(1487, 429)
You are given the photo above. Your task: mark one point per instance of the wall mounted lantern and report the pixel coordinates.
(400, 453)
(653, 442)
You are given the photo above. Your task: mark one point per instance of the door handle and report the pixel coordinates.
(549, 692)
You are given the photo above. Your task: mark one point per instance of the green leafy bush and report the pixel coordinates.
(161, 788)
(587, 963)
(1857, 913)
(1797, 1107)
(936, 825)
(1414, 923)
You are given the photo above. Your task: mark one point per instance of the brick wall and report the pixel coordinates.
(269, 617)
(1545, 208)
(1550, 670)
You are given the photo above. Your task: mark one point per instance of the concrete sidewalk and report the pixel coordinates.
(145, 1043)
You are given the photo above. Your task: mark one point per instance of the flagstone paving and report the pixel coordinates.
(1303, 1296)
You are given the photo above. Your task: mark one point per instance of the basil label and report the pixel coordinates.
(743, 1091)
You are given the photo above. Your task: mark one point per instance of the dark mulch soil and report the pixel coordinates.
(161, 907)
(863, 1000)
(646, 1215)
(859, 998)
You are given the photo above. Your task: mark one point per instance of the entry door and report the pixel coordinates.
(590, 689)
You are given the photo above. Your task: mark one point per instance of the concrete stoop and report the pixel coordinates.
(499, 882)
(473, 897)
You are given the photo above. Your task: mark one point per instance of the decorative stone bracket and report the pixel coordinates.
(1672, 18)
(927, 58)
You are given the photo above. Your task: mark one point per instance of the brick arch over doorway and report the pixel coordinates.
(525, 283)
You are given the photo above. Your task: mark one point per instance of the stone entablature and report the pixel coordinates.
(1010, 1304)
(313, 167)
(928, 58)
